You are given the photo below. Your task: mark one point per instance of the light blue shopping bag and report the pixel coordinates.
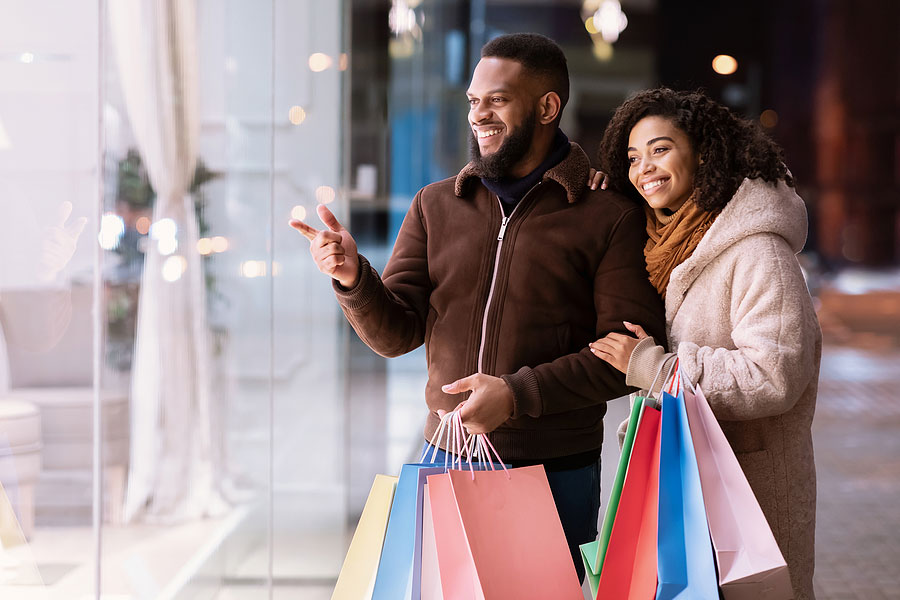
(685, 565)
(403, 537)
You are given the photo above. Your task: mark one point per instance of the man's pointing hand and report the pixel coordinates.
(333, 249)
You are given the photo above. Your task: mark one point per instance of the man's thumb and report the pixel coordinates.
(328, 218)
(458, 386)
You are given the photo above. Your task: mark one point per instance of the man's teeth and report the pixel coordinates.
(488, 133)
(653, 184)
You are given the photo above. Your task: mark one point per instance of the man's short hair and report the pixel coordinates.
(540, 56)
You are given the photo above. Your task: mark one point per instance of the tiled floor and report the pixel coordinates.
(857, 443)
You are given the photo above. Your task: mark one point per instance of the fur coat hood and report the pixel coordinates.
(757, 207)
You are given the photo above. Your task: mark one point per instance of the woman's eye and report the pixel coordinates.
(632, 160)
(659, 149)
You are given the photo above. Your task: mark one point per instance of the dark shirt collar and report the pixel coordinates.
(510, 190)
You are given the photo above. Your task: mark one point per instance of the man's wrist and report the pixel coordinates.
(352, 283)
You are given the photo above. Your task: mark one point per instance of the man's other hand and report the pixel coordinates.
(489, 406)
(333, 249)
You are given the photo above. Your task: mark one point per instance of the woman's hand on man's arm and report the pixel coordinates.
(616, 348)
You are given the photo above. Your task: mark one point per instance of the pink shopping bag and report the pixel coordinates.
(430, 579)
(455, 569)
(749, 561)
(514, 535)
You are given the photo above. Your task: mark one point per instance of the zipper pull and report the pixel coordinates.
(502, 229)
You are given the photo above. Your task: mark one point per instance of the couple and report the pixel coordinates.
(511, 271)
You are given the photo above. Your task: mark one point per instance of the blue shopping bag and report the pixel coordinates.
(403, 538)
(685, 565)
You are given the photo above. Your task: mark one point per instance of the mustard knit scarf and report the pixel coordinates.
(672, 239)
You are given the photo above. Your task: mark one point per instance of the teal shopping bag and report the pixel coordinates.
(685, 564)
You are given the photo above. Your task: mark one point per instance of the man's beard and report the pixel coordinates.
(499, 164)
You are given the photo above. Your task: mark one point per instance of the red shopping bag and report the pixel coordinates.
(629, 569)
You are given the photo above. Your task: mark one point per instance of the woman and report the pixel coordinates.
(724, 225)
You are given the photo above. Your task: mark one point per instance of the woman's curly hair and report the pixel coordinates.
(730, 148)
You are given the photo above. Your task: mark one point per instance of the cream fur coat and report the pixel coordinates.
(740, 318)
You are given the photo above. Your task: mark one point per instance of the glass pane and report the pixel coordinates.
(190, 150)
(48, 220)
(309, 462)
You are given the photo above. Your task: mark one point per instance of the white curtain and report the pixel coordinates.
(171, 470)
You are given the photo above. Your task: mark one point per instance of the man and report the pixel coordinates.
(506, 273)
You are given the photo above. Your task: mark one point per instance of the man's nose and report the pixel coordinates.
(479, 113)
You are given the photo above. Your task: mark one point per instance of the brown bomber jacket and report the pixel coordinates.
(568, 270)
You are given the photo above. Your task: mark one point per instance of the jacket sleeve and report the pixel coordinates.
(774, 330)
(622, 292)
(389, 314)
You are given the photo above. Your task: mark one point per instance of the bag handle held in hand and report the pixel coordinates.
(459, 444)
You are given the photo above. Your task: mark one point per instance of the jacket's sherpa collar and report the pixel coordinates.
(571, 174)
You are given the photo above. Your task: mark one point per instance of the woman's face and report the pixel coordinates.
(661, 163)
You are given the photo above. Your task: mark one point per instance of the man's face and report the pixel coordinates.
(502, 115)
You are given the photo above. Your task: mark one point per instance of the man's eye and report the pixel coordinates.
(496, 100)
(472, 101)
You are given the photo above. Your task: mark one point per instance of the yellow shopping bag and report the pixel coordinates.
(357, 578)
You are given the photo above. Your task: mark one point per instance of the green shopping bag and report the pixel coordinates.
(594, 553)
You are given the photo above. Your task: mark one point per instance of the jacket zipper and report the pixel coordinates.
(500, 235)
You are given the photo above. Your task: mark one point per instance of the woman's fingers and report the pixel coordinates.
(605, 345)
(636, 330)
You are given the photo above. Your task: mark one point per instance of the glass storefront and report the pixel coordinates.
(173, 423)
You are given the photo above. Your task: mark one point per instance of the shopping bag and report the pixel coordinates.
(593, 553)
(514, 534)
(430, 575)
(455, 570)
(497, 533)
(394, 579)
(750, 564)
(422, 474)
(356, 580)
(685, 564)
(629, 568)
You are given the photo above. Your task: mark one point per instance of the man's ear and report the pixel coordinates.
(549, 106)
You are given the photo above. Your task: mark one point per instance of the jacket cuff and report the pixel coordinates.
(646, 363)
(526, 393)
(360, 295)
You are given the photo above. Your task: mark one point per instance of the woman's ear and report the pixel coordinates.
(549, 106)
